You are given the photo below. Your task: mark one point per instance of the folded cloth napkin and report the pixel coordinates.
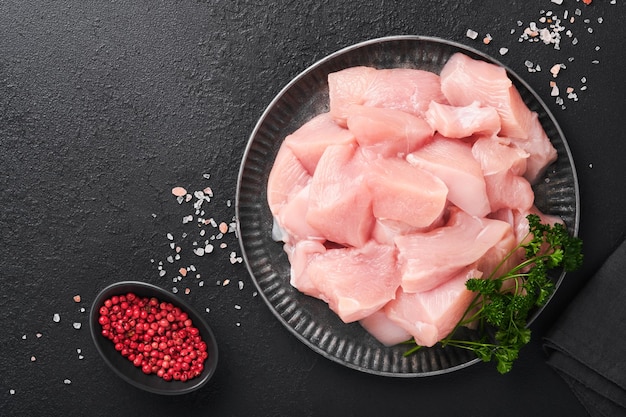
(587, 345)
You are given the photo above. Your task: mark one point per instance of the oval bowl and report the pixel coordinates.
(125, 368)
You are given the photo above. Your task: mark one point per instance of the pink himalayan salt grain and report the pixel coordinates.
(179, 191)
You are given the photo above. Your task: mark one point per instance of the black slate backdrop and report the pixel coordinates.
(105, 106)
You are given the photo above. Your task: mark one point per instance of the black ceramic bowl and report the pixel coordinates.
(124, 367)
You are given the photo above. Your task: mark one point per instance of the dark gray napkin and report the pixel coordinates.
(587, 345)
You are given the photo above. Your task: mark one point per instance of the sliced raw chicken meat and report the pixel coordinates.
(385, 230)
(452, 161)
(292, 218)
(312, 138)
(409, 90)
(299, 256)
(383, 329)
(465, 80)
(542, 152)
(387, 132)
(427, 260)
(355, 282)
(502, 165)
(340, 204)
(498, 260)
(405, 193)
(463, 121)
(431, 315)
(286, 178)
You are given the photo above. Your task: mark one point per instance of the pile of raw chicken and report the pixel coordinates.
(412, 183)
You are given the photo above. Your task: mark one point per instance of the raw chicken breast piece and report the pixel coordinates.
(452, 161)
(542, 152)
(463, 121)
(387, 132)
(340, 204)
(383, 329)
(299, 256)
(286, 178)
(431, 315)
(465, 80)
(355, 282)
(502, 165)
(497, 260)
(292, 218)
(385, 230)
(427, 260)
(409, 90)
(405, 193)
(312, 138)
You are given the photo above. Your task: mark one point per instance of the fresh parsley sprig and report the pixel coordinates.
(505, 301)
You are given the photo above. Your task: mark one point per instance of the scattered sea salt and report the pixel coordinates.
(472, 34)
(503, 51)
(77, 325)
(56, 318)
(12, 391)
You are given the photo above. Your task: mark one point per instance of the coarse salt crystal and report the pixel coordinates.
(240, 285)
(33, 359)
(162, 273)
(179, 191)
(24, 337)
(208, 248)
(237, 307)
(38, 335)
(77, 325)
(12, 391)
(555, 69)
(67, 381)
(472, 34)
(557, 1)
(56, 318)
(207, 309)
(174, 290)
(199, 251)
(503, 51)
(226, 282)
(76, 298)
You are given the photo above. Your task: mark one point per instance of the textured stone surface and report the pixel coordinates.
(107, 105)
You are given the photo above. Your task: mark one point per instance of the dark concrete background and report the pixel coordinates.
(106, 105)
